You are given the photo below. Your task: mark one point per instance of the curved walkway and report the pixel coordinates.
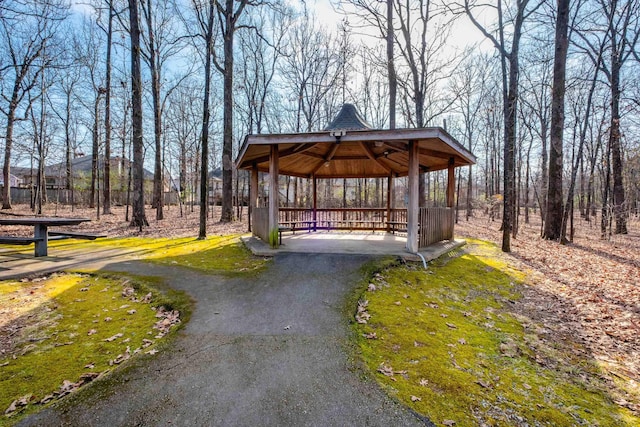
(263, 351)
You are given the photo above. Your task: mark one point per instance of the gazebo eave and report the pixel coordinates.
(397, 138)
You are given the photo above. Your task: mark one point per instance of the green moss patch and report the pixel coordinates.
(449, 343)
(63, 331)
(217, 254)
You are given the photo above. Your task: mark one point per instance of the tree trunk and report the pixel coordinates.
(94, 151)
(6, 168)
(204, 173)
(138, 218)
(391, 69)
(615, 145)
(554, 208)
(106, 183)
(158, 181)
(229, 28)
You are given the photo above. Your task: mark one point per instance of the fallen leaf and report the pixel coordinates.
(452, 326)
(385, 370)
(113, 338)
(483, 384)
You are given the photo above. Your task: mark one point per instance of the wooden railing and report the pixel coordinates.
(260, 224)
(370, 219)
(436, 224)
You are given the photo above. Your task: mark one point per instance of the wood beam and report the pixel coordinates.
(253, 193)
(433, 153)
(327, 158)
(413, 209)
(402, 147)
(315, 202)
(298, 149)
(373, 157)
(389, 196)
(451, 183)
(274, 192)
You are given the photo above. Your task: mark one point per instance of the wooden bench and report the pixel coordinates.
(307, 225)
(399, 226)
(282, 229)
(40, 226)
(351, 225)
(61, 234)
(18, 240)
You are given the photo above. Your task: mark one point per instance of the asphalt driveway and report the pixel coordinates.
(265, 351)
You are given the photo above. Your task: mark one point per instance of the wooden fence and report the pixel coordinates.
(436, 224)
(81, 197)
(260, 224)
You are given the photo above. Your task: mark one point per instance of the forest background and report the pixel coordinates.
(546, 94)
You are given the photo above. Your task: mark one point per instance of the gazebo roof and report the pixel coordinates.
(349, 118)
(349, 148)
(353, 153)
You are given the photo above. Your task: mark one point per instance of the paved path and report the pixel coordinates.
(237, 364)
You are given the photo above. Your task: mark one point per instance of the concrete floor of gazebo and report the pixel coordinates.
(354, 243)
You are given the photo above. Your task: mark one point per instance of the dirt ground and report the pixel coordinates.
(177, 221)
(588, 290)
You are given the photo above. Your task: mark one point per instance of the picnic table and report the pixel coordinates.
(41, 231)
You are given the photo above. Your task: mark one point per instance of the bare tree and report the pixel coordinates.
(138, 218)
(106, 185)
(161, 44)
(27, 28)
(380, 15)
(311, 70)
(510, 67)
(470, 87)
(229, 13)
(554, 216)
(623, 32)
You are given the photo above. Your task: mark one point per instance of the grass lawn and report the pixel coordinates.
(449, 343)
(216, 254)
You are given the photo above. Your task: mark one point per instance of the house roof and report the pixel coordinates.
(354, 153)
(83, 164)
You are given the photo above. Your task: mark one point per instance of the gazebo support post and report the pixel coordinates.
(389, 194)
(315, 202)
(451, 184)
(273, 196)
(412, 208)
(253, 194)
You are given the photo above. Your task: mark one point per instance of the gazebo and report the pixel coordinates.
(350, 148)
